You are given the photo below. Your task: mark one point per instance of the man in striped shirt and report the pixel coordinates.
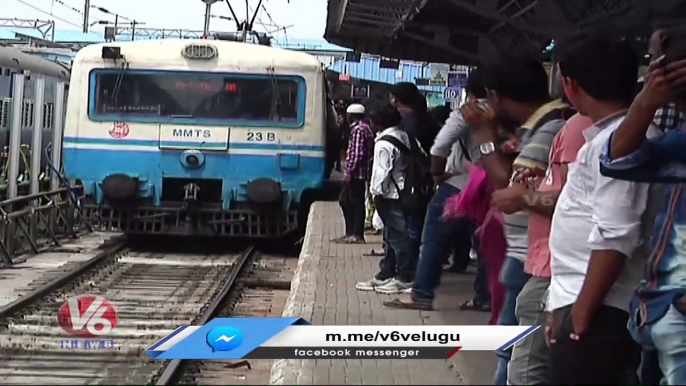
(357, 174)
(524, 99)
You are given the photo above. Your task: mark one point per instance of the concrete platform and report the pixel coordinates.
(323, 292)
(32, 271)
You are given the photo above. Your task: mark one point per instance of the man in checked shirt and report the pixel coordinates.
(658, 310)
(357, 174)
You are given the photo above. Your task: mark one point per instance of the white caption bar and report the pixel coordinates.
(467, 337)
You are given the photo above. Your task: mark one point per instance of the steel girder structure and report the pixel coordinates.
(158, 33)
(45, 27)
(465, 31)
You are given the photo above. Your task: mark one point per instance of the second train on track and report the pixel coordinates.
(197, 137)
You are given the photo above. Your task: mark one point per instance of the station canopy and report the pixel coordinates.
(464, 31)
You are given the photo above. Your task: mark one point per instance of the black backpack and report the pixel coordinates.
(416, 193)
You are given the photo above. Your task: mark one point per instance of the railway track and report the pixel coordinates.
(153, 293)
(263, 293)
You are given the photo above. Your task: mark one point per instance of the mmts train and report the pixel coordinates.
(197, 137)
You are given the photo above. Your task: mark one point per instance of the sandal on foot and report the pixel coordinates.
(355, 240)
(470, 305)
(345, 240)
(411, 305)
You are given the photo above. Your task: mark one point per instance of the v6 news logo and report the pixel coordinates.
(87, 316)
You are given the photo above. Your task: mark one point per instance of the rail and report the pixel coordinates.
(38, 294)
(174, 369)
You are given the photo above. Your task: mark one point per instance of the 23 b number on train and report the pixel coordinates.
(261, 137)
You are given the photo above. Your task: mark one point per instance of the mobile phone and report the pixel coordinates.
(483, 104)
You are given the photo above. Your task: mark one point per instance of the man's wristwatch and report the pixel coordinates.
(487, 148)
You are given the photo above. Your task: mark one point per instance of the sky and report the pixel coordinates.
(304, 19)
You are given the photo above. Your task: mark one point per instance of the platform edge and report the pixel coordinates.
(301, 299)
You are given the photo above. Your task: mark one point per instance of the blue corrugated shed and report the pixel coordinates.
(308, 44)
(79, 37)
(60, 35)
(6, 33)
(368, 69)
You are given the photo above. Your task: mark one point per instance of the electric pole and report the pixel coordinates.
(247, 20)
(133, 29)
(86, 14)
(208, 15)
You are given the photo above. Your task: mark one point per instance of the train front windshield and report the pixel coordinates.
(215, 96)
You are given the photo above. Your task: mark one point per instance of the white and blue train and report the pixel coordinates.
(197, 137)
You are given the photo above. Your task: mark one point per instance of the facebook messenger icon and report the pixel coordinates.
(224, 338)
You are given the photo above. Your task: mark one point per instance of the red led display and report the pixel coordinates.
(194, 86)
(231, 87)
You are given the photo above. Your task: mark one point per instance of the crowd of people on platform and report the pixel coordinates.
(575, 207)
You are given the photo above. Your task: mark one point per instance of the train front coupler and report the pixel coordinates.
(190, 197)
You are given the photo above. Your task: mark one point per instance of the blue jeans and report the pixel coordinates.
(437, 240)
(397, 262)
(668, 337)
(513, 278)
(388, 270)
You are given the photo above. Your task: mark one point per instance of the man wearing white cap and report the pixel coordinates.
(357, 173)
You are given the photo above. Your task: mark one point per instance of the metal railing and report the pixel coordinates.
(29, 223)
(37, 208)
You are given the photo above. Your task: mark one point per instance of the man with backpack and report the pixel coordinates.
(454, 145)
(417, 123)
(396, 191)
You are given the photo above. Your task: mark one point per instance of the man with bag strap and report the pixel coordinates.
(394, 199)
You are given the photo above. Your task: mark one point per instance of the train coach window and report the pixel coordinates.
(210, 97)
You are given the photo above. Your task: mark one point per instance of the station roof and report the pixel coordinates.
(463, 31)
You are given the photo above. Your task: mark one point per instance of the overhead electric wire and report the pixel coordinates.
(80, 12)
(273, 23)
(35, 8)
(285, 33)
(259, 21)
(62, 3)
(268, 15)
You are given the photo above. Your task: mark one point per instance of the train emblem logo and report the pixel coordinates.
(87, 316)
(119, 130)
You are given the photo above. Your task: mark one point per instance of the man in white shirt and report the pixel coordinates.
(600, 227)
(388, 177)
